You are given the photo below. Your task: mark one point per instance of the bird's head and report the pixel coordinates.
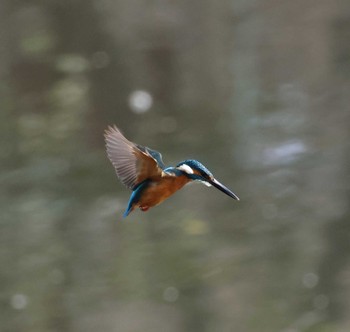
(195, 171)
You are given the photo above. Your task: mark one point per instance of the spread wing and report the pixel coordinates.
(133, 163)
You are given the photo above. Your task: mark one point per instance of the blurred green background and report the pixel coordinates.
(259, 91)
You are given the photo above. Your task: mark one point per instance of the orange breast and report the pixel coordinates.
(160, 190)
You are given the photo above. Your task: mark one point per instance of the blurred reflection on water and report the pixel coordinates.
(259, 92)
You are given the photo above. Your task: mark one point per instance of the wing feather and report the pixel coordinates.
(133, 163)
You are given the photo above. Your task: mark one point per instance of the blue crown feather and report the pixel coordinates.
(196, 165)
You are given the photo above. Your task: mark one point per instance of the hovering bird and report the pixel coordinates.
(142, 170)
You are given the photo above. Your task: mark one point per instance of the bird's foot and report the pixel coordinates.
(144, 208)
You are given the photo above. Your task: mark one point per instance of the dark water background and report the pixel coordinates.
(259, 91)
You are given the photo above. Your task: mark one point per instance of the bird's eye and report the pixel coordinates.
(206, 176)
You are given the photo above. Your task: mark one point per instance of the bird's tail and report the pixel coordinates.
(128, 210)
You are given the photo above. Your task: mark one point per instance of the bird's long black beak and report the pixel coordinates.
(222, 188)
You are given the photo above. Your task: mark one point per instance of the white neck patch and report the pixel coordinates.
(187, 169)
(206, 183)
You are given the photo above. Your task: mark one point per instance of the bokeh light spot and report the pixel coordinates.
(310, 280)
(72, 63)
(19, 301)
(140, 101)
(170, 294)
(195, 227)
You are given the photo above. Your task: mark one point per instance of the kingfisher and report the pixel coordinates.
(142, 170)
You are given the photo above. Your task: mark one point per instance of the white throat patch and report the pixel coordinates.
(187, 169)
(205, 183)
